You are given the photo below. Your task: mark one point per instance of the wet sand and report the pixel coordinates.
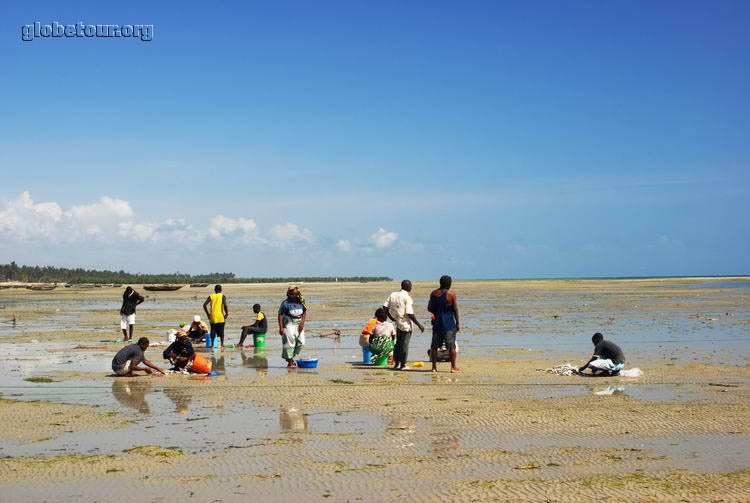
(499, 431)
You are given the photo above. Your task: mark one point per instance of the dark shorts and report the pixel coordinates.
(439, 338)
(217, 329)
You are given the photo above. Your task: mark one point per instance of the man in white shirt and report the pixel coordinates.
(400, 308)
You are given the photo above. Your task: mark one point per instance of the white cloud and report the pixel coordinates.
(344, 245)
(105, 208)
(242, 228)
(289, 233)
(106, 221)
(137, 232)
(25, 220)
(383, 239)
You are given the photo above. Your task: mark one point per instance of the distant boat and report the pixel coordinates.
(162, 288)
(41, 287)
(198, 285)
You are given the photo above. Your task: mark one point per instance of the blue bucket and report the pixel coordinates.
(366, 354)
(307, 363)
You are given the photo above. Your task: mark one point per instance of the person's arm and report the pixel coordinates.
(282, 312)
(410, 314)
(169, 353)
(224, 306)
(429, 305)
(386, 305)
(205, 306)
(416, 322)
(149, 364)
(587, 363)
(139, 299)
(455, 313)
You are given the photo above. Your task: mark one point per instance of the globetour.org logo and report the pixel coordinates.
(144, 32)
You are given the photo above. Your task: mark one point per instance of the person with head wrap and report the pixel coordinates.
(383, 337)
(292, 315)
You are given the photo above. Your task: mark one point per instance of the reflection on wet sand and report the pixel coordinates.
(292, 419)
(258, 361)
(180, 397)
(218, 364)
(132, 393)
(402, 431)
(608, 390)
(443, 443)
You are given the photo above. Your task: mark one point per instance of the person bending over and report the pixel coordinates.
(128, 359)
(259, 326)
(197, 329)
(383, 337)
(179, 352)
(608, 358)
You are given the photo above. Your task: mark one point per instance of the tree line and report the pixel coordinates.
(49, 274)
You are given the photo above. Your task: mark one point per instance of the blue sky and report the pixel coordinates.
(409, 139)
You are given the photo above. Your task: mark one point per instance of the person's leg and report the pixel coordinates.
(212, 337)
(398, 349)
(220, 333)
(450, 345)
(601, 366)
(132, 327)
(124, 327)
(434, 345)
(405, 349)
(245, 330)
(299, 343)
(288, 340)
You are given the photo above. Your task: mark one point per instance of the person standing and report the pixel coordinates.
(444, 306)
(130, 299)
(292, 315)
(399, 307)
(217, 315)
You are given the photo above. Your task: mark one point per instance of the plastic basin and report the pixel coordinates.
(307, 363)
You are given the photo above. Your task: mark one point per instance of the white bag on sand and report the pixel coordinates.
(634, 372)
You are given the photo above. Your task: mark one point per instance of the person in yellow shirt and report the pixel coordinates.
(217, 315)
(260, 326)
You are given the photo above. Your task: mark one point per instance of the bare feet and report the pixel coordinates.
(456, 370)
(434, 369)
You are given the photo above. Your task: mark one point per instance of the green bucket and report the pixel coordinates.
(259, 340)
(382, 361)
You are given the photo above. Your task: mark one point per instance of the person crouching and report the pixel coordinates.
(179, 352)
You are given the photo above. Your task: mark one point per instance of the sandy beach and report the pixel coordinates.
(503, 430)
